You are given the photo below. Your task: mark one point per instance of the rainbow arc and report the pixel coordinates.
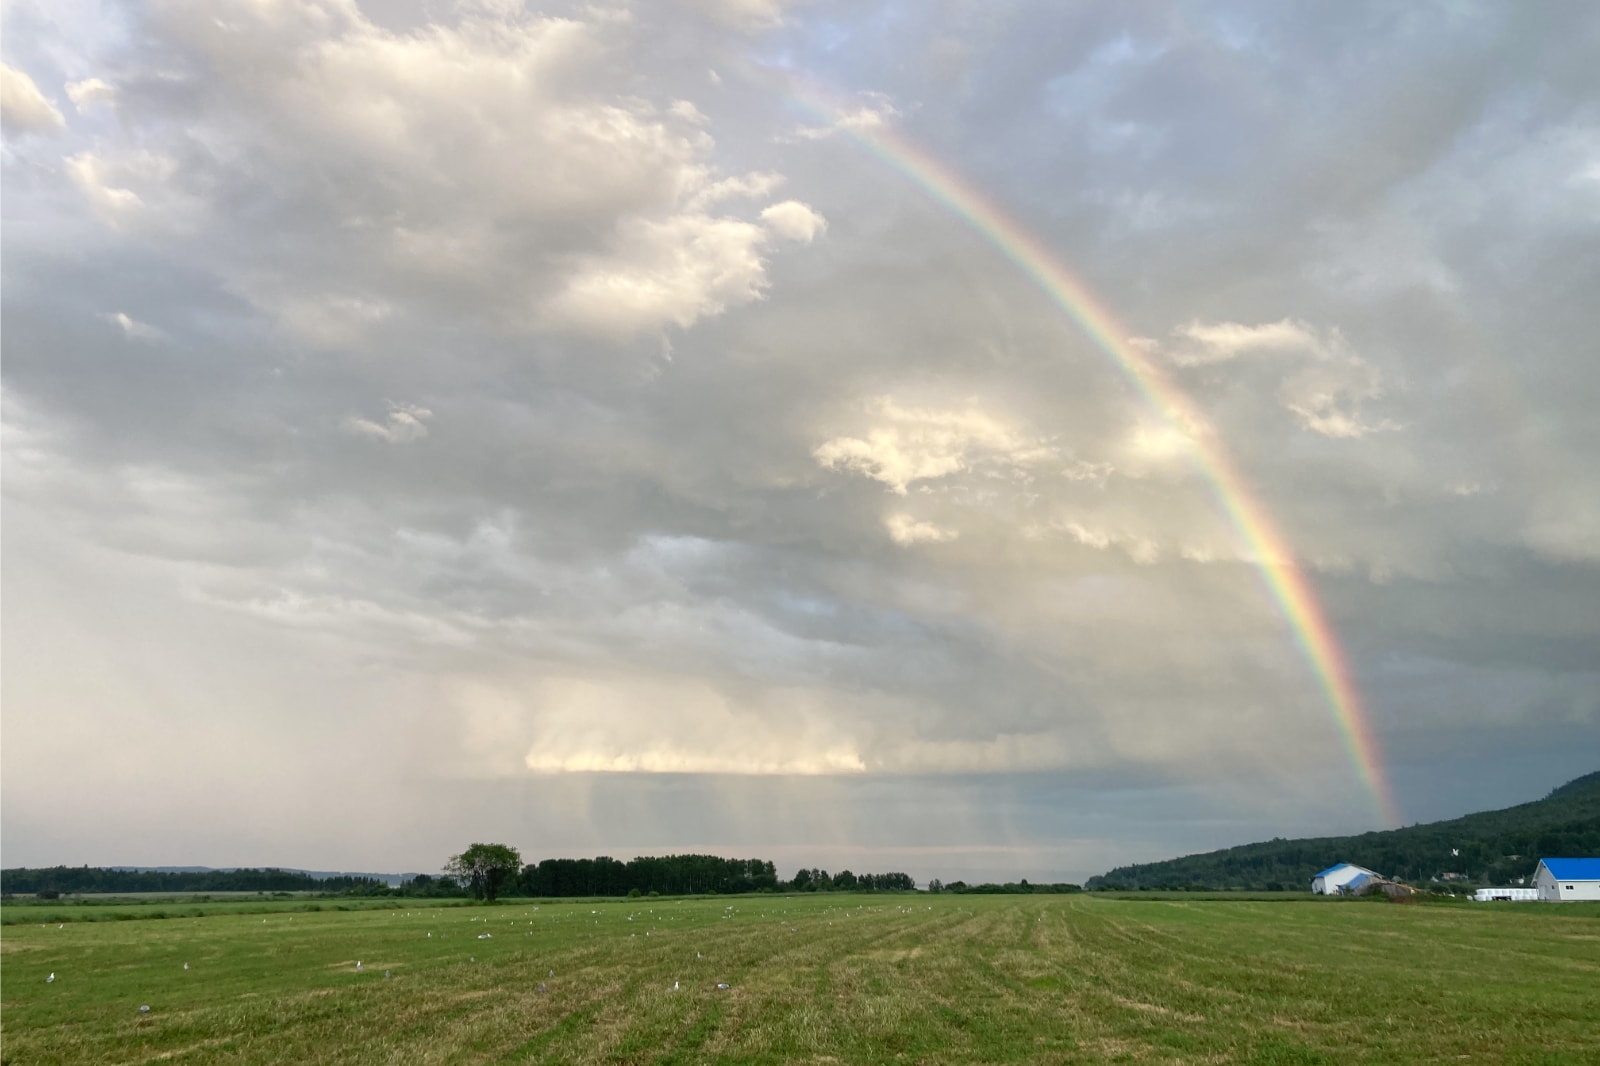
(1275, 561)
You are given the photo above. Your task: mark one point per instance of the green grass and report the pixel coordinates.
(824, 979)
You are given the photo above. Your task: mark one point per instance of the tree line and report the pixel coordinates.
(481, 871)
(63, 880)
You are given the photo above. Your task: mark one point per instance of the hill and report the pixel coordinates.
(1491, 847)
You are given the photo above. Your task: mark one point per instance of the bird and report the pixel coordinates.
(358, 964)
(51, 979)
(185, 966)
(386, 973)
(724, 985)
(144, 1008)
(674, 986)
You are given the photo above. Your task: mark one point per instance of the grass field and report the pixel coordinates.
(823, 979)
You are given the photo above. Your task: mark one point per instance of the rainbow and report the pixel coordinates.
(1285, 580)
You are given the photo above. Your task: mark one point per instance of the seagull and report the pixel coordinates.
(386, 973)
(358, 964)
(724, 985)
(144, 1008)
(674, 986)
(51, 979)
(185, 966)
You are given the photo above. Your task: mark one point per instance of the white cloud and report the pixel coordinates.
(132, 327)
(1324, 387)
(906, 531)
(495, 165)
(872, 112)
(403, 423)
(89, 92)
(674, 271)
(1202, 343)
(1142, 550)
(753, 185)
(794, 220)
(1326, 397)
(23, 108)
(912, 444)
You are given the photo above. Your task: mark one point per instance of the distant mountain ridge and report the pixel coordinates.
(1490, 847)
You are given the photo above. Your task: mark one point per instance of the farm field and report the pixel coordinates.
(824, 979)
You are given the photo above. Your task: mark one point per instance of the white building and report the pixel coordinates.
(1516, 895)
(1561, 880)
(1345, 877)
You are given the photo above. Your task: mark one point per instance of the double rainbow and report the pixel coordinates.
(1285, 580)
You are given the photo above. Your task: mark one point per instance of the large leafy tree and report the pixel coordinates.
(485, 868)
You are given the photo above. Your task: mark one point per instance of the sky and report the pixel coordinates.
(984, 440)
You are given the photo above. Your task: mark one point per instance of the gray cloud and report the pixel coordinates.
(436, 411)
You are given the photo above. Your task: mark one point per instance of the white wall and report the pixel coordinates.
(1552, 890)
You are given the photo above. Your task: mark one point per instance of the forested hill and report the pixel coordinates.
(1495, 847)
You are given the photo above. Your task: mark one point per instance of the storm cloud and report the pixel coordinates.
(426, 423)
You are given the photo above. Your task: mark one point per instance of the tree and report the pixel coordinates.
(486, 868)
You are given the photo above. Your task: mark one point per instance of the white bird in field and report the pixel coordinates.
(185, 966)
(358, 964)
(51, 979)
(144, 1008)
(674, 986)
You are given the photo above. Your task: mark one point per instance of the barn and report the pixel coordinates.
(1343, 878)
(1562, 880)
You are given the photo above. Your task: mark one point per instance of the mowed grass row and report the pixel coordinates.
(868, 979)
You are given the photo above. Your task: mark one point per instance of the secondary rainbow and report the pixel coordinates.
(1275, 562)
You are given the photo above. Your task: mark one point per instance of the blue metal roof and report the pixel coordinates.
(1329, 870)
(1573, 869)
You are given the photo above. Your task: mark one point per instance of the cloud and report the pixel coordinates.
(888, 543)
(133, 328)
(1203, 343)
(87, 93)
(794, 220)
(403, 423)
(871, 111)
(23, 108)
(905, 531)
(1326, 388)
(492, 166)
(672, 272)
(908, 445)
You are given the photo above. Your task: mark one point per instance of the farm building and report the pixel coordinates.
(1515, 895)
(1342, 879)
(1560, 880)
